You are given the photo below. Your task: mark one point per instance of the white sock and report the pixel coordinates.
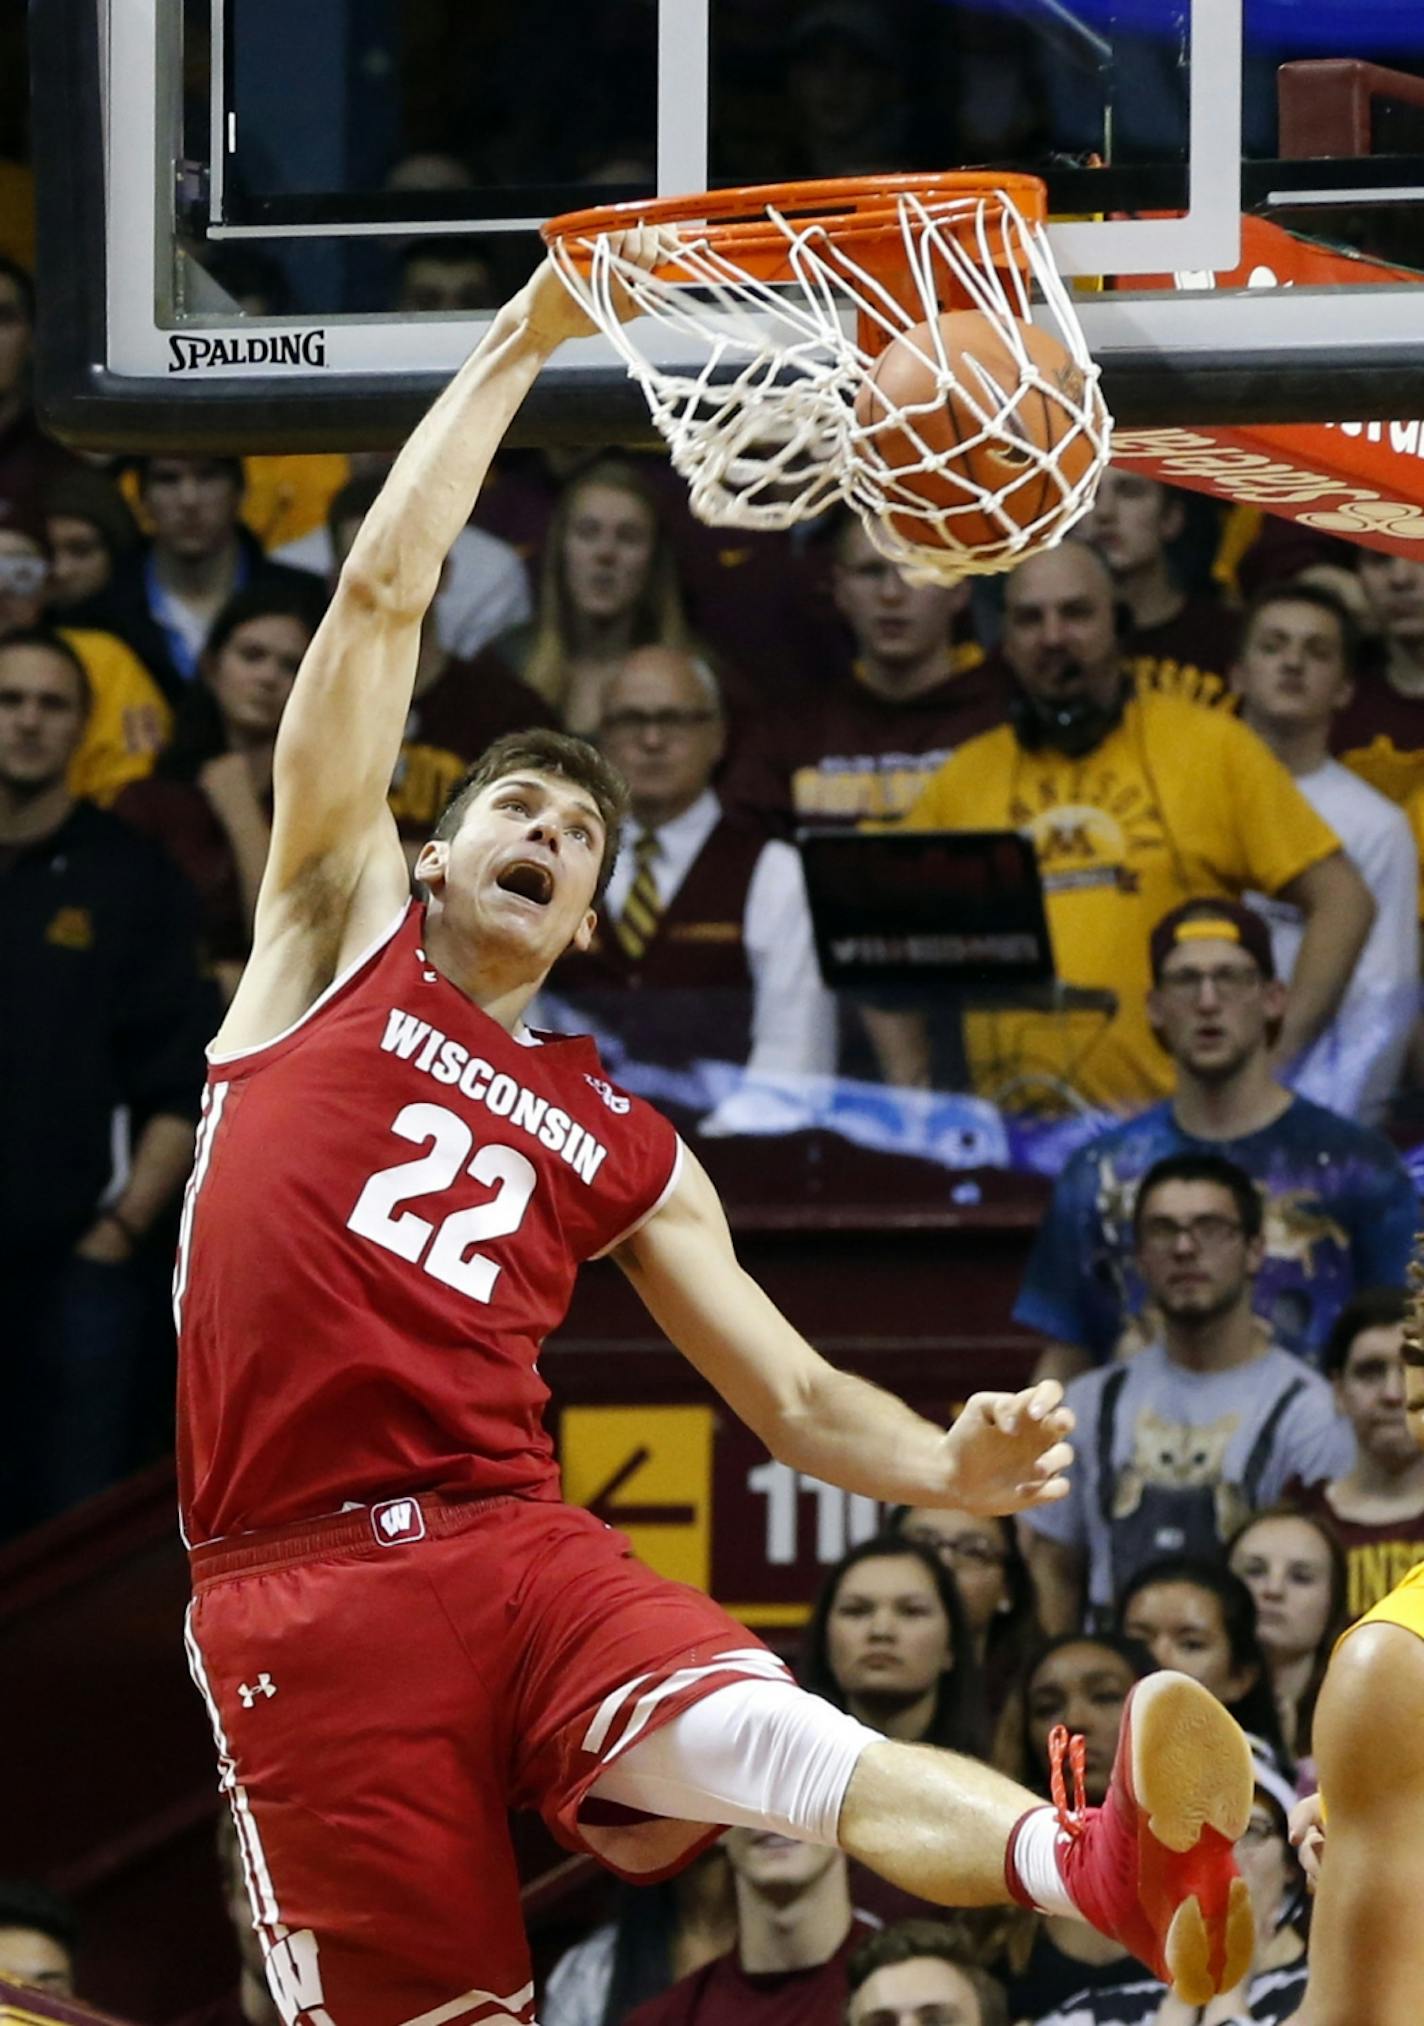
(1035, 1859)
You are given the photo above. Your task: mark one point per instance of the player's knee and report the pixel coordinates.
(1375, 1687)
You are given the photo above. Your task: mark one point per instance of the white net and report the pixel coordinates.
(772, 409)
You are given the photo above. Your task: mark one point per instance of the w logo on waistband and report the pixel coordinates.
(397, 1520)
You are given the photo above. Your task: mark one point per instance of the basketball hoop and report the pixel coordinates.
(768, 319)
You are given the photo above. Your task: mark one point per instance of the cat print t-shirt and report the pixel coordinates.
(1157, 1445)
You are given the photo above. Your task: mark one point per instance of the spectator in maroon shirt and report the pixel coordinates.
(1377, 1507)
(795, 1934)
(922, 1973)
(1174, 642)
(863, 743)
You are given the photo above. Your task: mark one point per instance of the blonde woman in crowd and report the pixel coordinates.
(608, 584)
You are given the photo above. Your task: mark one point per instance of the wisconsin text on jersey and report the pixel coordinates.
(450, 1062)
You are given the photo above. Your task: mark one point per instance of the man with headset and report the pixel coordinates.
(1135, 801)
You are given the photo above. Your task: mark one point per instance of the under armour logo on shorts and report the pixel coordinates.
(397, 1520)
(264, 1685)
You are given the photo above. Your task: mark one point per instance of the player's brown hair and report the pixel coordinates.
(946, 1942)
(544, 752)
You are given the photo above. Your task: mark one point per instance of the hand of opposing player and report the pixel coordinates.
(553, 313)
(1009, 1451)
(1307, 1833)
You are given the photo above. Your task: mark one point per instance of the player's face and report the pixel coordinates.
(24, 581)
(973, 1550)
(1372, 1390)
(1060, 635)
(28, 1957)
(1132, 521)
(926, 1991)
(1212, 1007)
(1394, 586)
(608, 551)
(193, 503)
(1291, 669)
(42, 715)
(778, 1867)
(253, 673)
(894, 622)
(887, 1636)
(1182, 1627)
(1084, 1686)
(1285, 1565)
(1194, 1256)
(521, 870)
(80, 566)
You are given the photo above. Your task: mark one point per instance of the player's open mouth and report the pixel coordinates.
(528, 880)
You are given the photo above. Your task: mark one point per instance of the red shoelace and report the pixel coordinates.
(1075, 1750)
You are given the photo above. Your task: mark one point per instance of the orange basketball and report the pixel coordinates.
(984, 363)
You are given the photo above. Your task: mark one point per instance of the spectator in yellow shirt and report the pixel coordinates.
(1135, 802)
(128, 720)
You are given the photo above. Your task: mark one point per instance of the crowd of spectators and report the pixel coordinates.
(1218, 751)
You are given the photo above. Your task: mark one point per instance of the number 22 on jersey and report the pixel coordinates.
(448, 1247)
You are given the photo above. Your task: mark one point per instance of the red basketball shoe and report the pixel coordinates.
(1154, 1866)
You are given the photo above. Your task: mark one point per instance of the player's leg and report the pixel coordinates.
(644, 1695)
(363, 1762)
(1153, 1868)
(1366, 1938)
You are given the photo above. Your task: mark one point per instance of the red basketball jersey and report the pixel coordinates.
(388, 1207)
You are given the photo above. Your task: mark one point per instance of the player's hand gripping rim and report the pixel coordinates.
(1008, 1452)
(553, 313)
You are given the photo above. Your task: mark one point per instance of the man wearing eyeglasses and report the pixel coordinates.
(705, 950)
(1207, 1424)
(1340, 1209)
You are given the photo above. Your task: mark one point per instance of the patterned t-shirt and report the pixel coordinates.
(1340, 1215)
(1271, 1998)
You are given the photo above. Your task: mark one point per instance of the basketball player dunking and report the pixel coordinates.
(398, 1628)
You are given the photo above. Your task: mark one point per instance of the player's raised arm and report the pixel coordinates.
(341, 731)
(1005, 1452)
(335, 873)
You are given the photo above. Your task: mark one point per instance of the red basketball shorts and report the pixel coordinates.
(384, 1685)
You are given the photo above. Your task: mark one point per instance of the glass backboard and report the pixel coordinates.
(274, 226)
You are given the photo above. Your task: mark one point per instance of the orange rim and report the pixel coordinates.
(854, 211)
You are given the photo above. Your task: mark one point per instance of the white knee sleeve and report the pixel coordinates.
(755, 1754)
